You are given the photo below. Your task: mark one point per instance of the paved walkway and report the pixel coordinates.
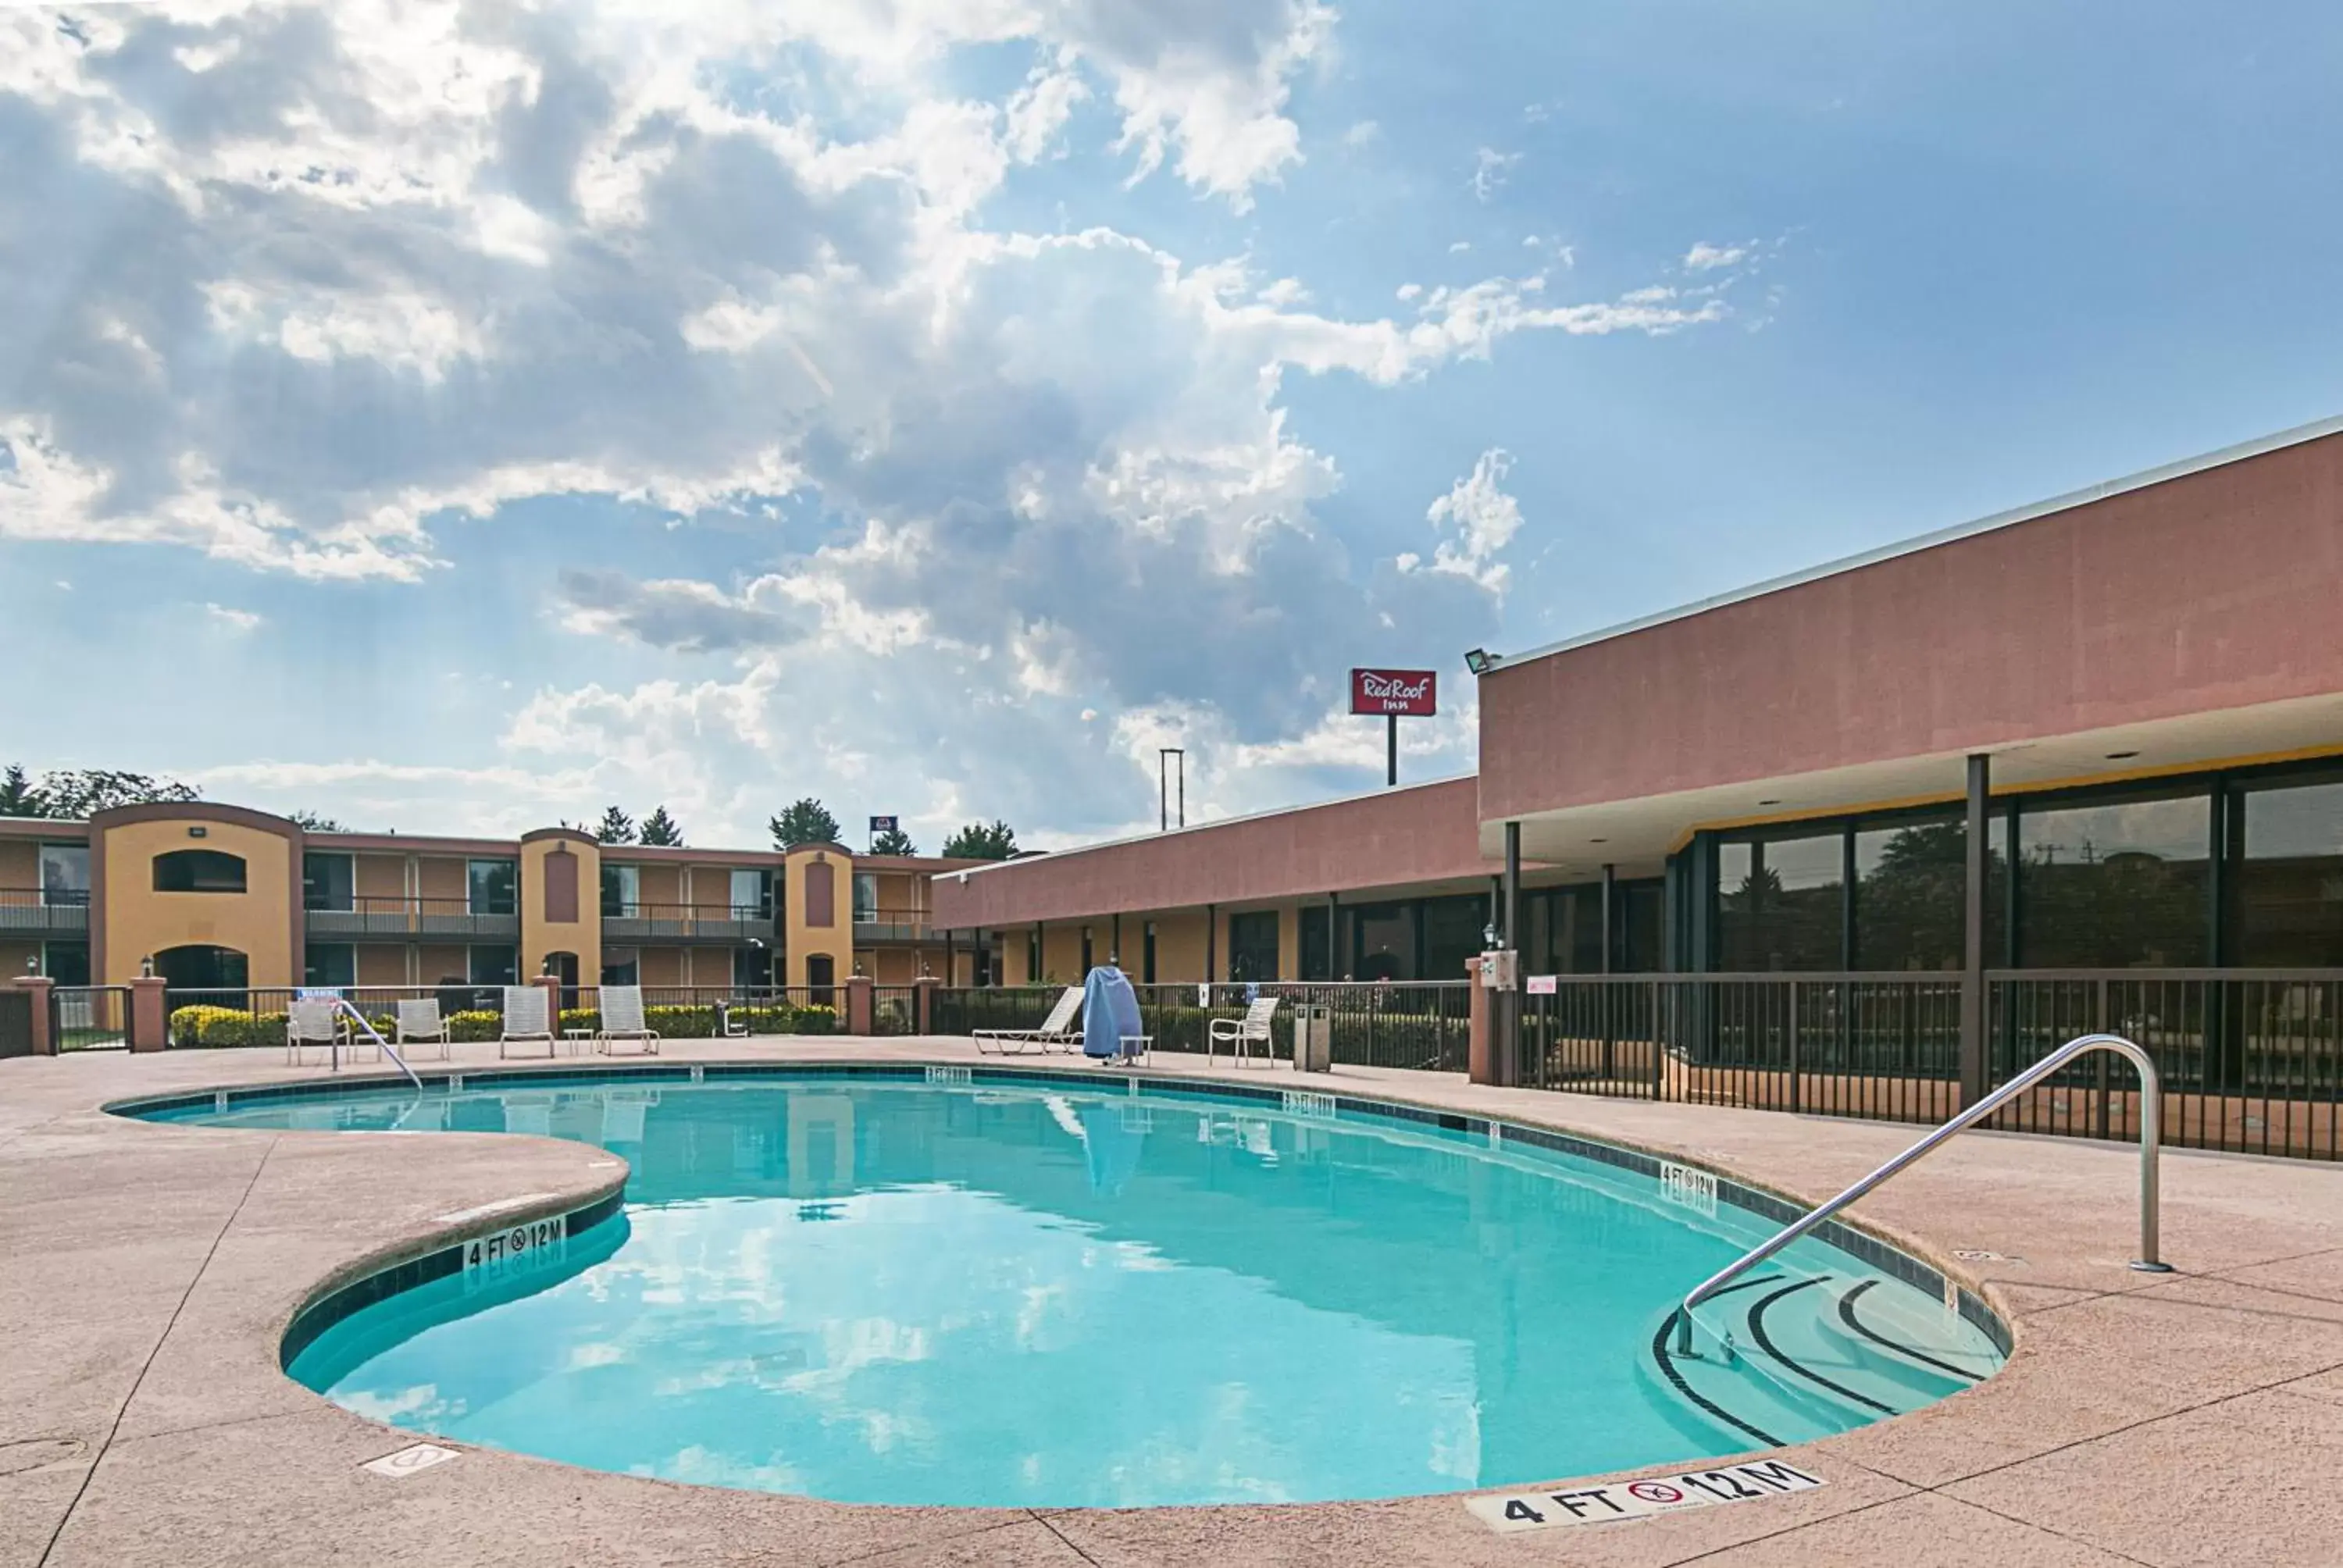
(148, 1271)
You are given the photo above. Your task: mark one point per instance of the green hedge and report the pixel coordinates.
(223, 1027)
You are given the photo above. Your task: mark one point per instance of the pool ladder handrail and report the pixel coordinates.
(342, 1004)
(2151, 1122)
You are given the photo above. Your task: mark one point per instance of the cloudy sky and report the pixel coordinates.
(460, 417)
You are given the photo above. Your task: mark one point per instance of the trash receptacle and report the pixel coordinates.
(1314, 1038)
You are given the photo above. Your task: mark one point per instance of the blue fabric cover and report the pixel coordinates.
(1110, 1009)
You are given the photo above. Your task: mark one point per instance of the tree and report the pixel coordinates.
(659, 828)
(806, 822)
(76, 794)
(313, 822)
(616, 827)
(978, 841)
(19, 796)
(893, 841)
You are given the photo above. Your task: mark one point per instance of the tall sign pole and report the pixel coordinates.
(1394, 694)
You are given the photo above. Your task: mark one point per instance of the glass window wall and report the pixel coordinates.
(2116, 884)
(1781, 903)
(1253, 946)
(2285, 886)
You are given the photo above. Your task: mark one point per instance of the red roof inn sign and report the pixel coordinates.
(1407, 693)
(1394, 695)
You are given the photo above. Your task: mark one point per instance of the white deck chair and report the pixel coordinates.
(1241, 1034)
(419, 1023)
(1057, 1032)
(526, 1023)
(316, 1021)
(622, 1022)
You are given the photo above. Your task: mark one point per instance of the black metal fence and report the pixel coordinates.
(90, 1018)
(15, 1023)
(2250, 1061)
(1423, 1024)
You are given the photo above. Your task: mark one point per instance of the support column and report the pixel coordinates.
(1212, 940)
(1477, 1066)
(1333, 936)
(44, 1042)
(1610, 894)
(150, 1025)
(1508, 1012)
(1974, 861)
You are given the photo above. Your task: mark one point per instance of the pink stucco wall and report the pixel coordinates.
(2219, 589)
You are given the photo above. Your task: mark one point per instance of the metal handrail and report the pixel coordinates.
(341, 1004)
(2151, 1122)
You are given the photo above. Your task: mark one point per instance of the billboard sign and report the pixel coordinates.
(882, 824)
(1400, 693)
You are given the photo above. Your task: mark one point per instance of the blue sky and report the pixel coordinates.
(453, 417)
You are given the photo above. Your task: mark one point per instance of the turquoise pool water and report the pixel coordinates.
(995, 1294)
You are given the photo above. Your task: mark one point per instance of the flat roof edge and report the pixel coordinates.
(1215, 823)
(2300, 435)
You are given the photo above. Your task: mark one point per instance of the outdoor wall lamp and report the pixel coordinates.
(1480, 661)
(146, 967)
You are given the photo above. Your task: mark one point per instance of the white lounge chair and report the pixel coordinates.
(311, 1022)
(1056, 1032)
(526, 1020)
(1241, 1034)
(622, 1022)
(419, 1023)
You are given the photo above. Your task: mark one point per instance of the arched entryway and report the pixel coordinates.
(564, 965)
(199, 973)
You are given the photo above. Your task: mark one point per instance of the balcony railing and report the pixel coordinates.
(44, 911)
(878, 925)
(639, 922)
(386, 918)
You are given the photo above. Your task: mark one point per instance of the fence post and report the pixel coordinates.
(924, 992)
(1476, 1025)
(150, 1023)
(858, 1004)
(44, 1039)
(1794, 1047)
(1974, 863)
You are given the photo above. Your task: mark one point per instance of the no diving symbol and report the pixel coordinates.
(1653, 1491)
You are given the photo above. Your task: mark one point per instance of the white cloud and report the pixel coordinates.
(1362, 134)
(1704, 256)
(234, 621)
(399, 268)
(1459, 246)
(1480, 519)
(1491, 169)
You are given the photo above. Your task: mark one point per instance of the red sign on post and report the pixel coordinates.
(1409, 693)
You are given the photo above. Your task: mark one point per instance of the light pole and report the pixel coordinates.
(1163, 753)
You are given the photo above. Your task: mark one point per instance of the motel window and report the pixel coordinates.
(198, 871)
(1909, 878)
(1317, 942)
(2114, 884)
(1382, 942)
(1781, 903)
(1147, 955)
(65, 874)
(622, 894)
(752, 968)
(493, 887)
(493, 965)
(2285, 886)
(329, 881)
(1253, 946)
(330, 964)
(1452, 933)
(1086, 952)
(621, 965)
(752, 895)
(1033, 956)
(866, 897)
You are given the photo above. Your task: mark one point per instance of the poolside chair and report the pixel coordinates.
(526, 1020)
(1057, 1032)
(419, 1023)
(1241, 1034)
(622, 1020)
(318, 1022)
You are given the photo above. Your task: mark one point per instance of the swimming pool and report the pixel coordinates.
(1011, 1288)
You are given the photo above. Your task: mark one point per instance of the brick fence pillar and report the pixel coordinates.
(1478, 1066)
(150, 1024)
(858, 1004)
(45, 1043)
(923, 1004)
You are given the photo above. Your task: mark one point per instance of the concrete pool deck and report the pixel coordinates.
(148, 1271)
